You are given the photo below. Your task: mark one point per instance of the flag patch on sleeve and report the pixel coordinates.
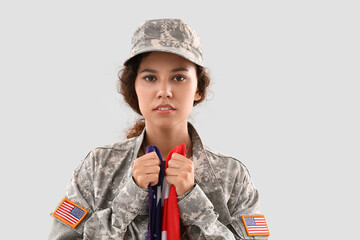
(70, 213)
(255, 225)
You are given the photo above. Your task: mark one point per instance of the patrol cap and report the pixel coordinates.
(167, 35)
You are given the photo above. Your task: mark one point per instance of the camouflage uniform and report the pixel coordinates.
(118, 208)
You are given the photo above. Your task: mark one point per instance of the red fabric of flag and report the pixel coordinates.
(171, 217)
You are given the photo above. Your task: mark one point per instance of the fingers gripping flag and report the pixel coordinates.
(162, 192)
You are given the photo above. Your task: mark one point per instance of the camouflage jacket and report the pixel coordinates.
(118, 208)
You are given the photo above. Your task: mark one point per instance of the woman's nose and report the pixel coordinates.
(164, 90)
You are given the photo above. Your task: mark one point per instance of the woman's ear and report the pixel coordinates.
(197, 96)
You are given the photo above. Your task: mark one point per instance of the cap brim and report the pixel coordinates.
(164, 49)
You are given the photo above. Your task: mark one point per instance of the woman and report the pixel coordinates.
(107, 195)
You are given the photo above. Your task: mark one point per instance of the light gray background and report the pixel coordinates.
(285, 102)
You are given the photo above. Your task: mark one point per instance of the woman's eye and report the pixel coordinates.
(179, 78)
(150, 78)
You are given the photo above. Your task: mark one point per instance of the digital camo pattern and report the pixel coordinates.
(118, 208)
(167, 35)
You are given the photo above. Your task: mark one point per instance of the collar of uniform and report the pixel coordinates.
(138, 142)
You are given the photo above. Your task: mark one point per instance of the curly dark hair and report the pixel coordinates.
(126, 87)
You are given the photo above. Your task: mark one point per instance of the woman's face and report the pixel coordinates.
(166, 87)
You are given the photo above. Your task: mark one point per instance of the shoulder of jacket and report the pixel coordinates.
(217, 158)
(107, 156)
(123, 145)
(213, 153)
(99, 156)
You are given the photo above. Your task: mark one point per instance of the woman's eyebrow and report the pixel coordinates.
(174, 70)
(148, 70)
(179, 69)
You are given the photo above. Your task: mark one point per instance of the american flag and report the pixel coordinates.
(166, 200)
(70, 213)
(256, 225)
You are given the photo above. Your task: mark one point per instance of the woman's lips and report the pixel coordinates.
(164, 108)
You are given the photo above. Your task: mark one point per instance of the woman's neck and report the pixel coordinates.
(167, 138)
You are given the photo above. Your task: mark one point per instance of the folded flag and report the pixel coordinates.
(164, 219)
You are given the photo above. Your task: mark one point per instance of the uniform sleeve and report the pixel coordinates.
(59, 231)
(107, 223)
(198, 216)
(80, 191)
(244, 200)
(117, 221)
(201, 220)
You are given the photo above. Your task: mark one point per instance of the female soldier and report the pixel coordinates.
(107, 197)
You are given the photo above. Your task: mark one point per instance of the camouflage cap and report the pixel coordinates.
(167, 35)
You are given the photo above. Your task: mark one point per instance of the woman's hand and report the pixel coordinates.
(146, 170)
(180, 173)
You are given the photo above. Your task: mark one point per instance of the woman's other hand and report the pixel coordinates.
(146, 170)
(180, 173)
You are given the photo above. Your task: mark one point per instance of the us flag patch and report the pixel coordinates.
(255, 225)
(70, 213)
